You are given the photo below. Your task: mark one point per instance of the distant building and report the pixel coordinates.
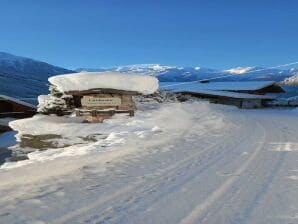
(241, 100)
(240, 94)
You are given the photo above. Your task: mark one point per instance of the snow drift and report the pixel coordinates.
(105, 80)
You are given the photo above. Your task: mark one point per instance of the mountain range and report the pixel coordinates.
(185, 74)
(22, 77)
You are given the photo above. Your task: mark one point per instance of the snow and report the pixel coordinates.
(74, 132)
(284, 147)
(160, 68)
(144, 68)
(227, 94)
(48, 102)
(239, 70)
(291, 81)
(167, 73)
(228, 86)
(190, 162)
(106, 80)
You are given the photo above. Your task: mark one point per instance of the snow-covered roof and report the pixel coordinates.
(8, 98)
(229, 94)
(228, 86)
(105, 80)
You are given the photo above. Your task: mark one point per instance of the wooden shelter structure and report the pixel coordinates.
(240, 94)
(241, 100)
(13, 108)
(252, 87)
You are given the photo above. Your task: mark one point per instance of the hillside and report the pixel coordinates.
(292, 81)
(24, 77)
(171, 163)
(27, 78)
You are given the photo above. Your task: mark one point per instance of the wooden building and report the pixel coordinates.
(241, 100)
(13, 108)
(251, 87)
(240, 94)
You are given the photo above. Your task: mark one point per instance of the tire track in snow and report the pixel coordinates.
(260, 194)
(140, 184)
(199, 210)
(124, 190)
(239, 204)
(172, 172)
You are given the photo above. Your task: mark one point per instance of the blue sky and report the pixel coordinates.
(103, 33)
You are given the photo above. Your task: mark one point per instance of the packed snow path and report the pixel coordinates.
(220, 165)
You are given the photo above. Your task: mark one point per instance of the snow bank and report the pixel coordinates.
(74, 138)
(153, 124)
(106, 80)
(291, 81)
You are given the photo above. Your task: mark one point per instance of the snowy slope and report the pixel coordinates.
(189, 162)
(292, 81)
(239, 70)
(183, 74)
(24, 77)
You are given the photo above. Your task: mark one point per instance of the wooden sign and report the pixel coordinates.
(95, 101)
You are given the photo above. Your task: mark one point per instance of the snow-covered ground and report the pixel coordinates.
(189, 162)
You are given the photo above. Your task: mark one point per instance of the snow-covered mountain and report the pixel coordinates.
(239, 70)
(24, 77)
(27, 78)
(184, 74)
(164, 73)
(291, 81)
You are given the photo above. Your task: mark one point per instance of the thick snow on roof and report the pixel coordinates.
(229, 94)
(8, 98)
(229, 86)
(105, 80)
